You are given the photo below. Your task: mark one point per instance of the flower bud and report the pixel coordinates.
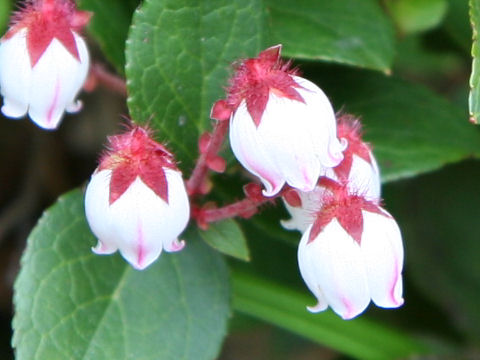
(358, 168)
(352, 254)
(43, 62)
(136, 200)
(282, 126)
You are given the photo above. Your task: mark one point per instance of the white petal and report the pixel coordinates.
(145, 222)
(321, 125)
(284, 134)
(97, 210)
(307, 270)
(338, 270)
(248, 147)
(382, 250)
(13, 109)
(56, 79)
(15, 75)
(179, 211)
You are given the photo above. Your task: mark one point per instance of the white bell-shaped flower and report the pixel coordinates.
(282, 126)
(352, 254)
(43, 63)
(136, 201)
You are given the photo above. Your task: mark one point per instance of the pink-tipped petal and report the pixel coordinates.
(319, 307)
(175, 245)
(74, 107)
(383, 253)
(104, 248)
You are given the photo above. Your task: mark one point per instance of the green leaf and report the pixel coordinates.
(474, 98)
(226, 237)
(178, 57)
(413, 16)
(179, 53)
(284, 307)
(457, 23)
(345, 31)
(412, 130)
(109, 26)
(72, 304)
(5, 8)
(438, 214)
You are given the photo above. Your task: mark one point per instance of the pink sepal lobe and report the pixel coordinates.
(135, 154)
(292, 198)
(347, 209)
(256, 78)
(220, 111)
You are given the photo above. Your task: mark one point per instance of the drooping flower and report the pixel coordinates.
(282, 126)
(43, 62)
(352, 254)
(136, 200)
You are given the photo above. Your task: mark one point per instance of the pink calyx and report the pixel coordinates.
(256, 78)
(135, 154)
(45, 20)
(347, 208)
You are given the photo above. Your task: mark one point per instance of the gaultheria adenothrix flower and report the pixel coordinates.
(43, 62)
(136, 200)
(282, 126)
(358, 170)
(352, 254)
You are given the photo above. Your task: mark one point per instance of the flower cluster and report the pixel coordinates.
(284, 131)
(46, 82)
(351, 249)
